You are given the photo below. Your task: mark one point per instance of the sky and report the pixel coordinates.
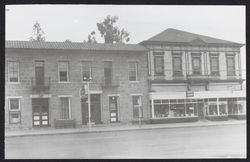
(75, 22)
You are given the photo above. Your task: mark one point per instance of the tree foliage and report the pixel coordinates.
(110, 32)
(38, 34)
(91, 38)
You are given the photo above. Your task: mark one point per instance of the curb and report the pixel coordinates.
(120, 130)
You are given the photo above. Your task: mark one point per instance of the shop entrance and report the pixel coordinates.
(40, 112)
(201, 110)
(95, 107)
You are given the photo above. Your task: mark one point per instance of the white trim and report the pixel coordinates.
(39, 96)
(14, 97)
(61, 96)
(13, 83)
(95, 92)
(136, 94)
(110, 95)
(198, 94)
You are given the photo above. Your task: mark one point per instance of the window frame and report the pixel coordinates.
(212, 56)
(227, 57)
(161, 55)
(59, 71)
(137, 106)
(69, 107)
(195, 56)
(179, 56)
(136, 71)
(90, 69)
(18, 76)
(18, 111)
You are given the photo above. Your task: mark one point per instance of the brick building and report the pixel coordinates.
(43, 82)
(194, 77)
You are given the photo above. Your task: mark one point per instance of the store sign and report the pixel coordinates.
(189, 94)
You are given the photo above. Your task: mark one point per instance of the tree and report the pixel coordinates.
(38, 33)
(91, 38)
(68, 41)
(110, 32)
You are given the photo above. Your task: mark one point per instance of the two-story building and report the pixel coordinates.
(194, 77)
(44, 81)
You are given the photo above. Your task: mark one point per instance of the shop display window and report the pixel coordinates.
(177, 110)
(212, 109)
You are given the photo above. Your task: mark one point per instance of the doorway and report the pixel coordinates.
(113, 109)
(95, 107)
(40, 112)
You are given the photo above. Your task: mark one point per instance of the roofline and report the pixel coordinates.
(78, 49)
(92, 49)
(147, 42)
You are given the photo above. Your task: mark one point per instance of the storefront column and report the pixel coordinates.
(152, 108)
(218, 111)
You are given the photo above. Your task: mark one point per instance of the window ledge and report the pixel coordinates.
(14, 82)
(64, 82)
(134, 81)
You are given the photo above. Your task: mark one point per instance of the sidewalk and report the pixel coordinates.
(109, 128)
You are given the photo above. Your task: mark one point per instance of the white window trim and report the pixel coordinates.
(18, 79)
(19, 104)
(90, 68)
(63, 96)
(137, 79)
(59, 72)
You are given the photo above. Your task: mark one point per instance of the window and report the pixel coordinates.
(137, 104)
(14, 110)
(132, 70)
(214, 64)
(13, 71)
(230, 65)
(177, 67)
(159, 63)
(65, 108)
(63, 71)
(86, 70)
(212, 109)
(196, 62)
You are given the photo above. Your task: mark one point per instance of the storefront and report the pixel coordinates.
(176, 107)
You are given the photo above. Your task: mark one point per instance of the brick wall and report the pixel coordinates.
(27, 57)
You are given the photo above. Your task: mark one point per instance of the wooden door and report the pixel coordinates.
(113, 108)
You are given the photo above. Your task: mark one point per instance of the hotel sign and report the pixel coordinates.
(189, 93)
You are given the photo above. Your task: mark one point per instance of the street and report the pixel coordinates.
(227, 141)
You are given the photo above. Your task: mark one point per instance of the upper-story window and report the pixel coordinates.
(133, 71)
(159, 63)
(196, 64)
(230, 64)
(214, 64)
(177, 67)
(86, 70)
(63, 71)
(13, 71)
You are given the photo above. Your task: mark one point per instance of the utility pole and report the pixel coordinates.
(89, 110)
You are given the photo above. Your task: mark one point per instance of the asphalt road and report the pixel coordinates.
(199, 142)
